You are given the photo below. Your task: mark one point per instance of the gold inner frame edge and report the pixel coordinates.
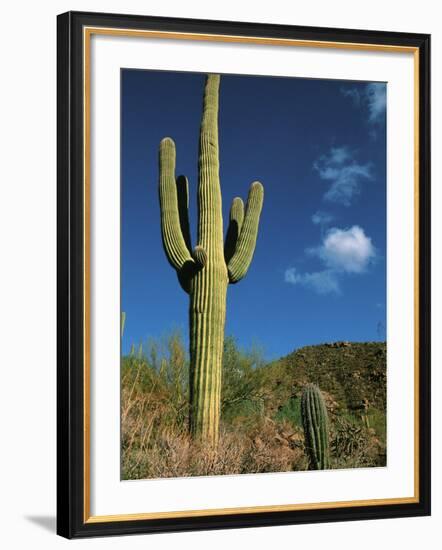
(87, 33)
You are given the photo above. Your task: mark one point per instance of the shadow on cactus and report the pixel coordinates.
(205, 271)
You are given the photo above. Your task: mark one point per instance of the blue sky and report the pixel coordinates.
(319, 148)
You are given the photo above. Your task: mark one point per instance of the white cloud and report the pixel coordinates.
(322, 218)
(338, 155)
(353, 94)
(376, 98)
(323, 282)
(344, 174)
(292, 276)
(343, 251)
(372, 99)
(346, 250)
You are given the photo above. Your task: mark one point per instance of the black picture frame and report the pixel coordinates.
(71, 520)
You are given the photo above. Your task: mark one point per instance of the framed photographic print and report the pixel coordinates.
(243, 274)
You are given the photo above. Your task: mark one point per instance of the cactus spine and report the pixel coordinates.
(315, 422)
(205, 271)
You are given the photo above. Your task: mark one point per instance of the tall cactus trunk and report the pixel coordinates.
(209, 286)
(205, 271)
(207, 317)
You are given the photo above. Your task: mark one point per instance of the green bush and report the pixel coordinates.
(291, 411)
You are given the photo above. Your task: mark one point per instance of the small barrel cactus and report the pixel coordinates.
(315, 423)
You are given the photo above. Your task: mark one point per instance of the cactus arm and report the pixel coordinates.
(182, 188)
(235, 223)
(245, 247)
(174, 243)
(200, 256)
(189, 269)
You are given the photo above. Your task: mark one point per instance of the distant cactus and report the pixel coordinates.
(140, 351)
(123, 321)
(315, 423)
(205, 271)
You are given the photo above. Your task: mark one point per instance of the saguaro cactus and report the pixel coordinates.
(205, 271)
(123, 321)
(315, 422)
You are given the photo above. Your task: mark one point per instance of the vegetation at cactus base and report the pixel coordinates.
(261, 428)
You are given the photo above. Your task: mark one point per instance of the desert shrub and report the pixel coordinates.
(378, 421)
(241, 384)
(154, 400)
(290, 411)
(275, 447)
(353, 445)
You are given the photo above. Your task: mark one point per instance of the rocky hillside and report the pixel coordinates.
(351, 375)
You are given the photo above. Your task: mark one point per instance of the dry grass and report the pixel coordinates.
(155, 448)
